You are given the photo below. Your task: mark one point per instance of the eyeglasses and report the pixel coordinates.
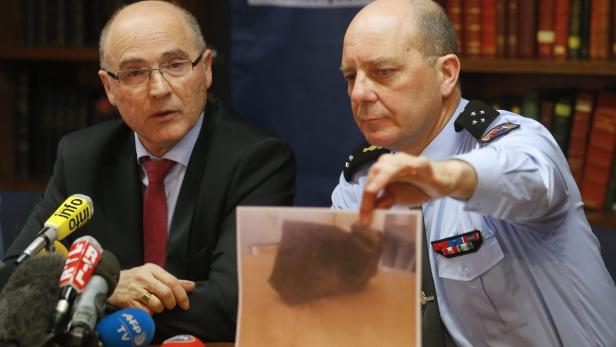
(174, 69)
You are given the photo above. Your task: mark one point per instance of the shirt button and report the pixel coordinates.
(466, 269)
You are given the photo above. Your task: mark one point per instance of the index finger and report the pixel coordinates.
(367, 207)
(179, 294)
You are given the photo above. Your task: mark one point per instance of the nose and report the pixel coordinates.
(361, 90)
(158, 84)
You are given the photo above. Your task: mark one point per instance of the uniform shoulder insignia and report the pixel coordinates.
(498, 131)
(362, 155)
(476, 117)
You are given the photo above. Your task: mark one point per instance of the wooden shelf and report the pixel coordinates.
(535, 66)
(602, 218)
(25, 186)
(75, 54)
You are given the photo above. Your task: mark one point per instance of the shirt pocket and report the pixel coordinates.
(482, 286)
(469, 266)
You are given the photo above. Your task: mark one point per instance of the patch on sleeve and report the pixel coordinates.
(362, 155)
(498, 131)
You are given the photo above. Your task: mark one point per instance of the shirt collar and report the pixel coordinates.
(180, 153)
(446, 142)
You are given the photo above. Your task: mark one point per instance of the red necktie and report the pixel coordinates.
(155, 211)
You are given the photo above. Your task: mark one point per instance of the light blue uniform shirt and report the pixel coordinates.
(538, 279)
(180, 154)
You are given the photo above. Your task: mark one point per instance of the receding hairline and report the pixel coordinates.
(427, 28)
(188, 19)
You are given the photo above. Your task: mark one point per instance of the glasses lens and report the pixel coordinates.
(133, 77)
(177, 68)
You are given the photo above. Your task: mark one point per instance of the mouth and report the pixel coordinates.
(163, 114)
(372, 119)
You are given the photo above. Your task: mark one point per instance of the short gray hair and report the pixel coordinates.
(435, 36)
(192, 22)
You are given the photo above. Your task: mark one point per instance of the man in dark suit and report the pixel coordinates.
(156, 70)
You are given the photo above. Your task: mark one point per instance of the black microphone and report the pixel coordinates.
(28, 299)
(75, 211)
(91, 303)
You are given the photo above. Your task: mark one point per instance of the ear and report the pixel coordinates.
(104, 77)
(207, 61)
(449, 67)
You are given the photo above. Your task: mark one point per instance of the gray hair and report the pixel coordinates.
(435, 35)
(192, 22)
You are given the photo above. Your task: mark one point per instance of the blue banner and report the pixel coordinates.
(285, 75)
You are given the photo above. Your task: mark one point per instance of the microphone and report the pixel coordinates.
(183, 341)
(91, 303)
(75, 211)
(83, 257)
(127, 327)
(27, 301)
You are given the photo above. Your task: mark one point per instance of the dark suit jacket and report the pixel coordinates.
(233, 163)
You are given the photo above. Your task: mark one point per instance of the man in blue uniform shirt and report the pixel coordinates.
(512, 255)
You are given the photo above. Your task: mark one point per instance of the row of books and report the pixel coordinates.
(528, 29)
(584, 125)
(65, 23)
(45, 112)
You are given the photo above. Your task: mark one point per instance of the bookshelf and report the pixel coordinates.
(554, 61)
(64, 54)
(52, 46)
(481, 77)
(584, 68)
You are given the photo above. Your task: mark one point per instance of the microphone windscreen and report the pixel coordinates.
(6, 270)
(109, 269)
(183, 341)
(126, 327)
(27, 301)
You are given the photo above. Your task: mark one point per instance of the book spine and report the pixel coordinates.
(563, 110)
(601, 149)
(600, 29)
(488, 28)
(610, 198)
(512, 29)
(527, 28)
(545, 30)
(472, 28)
(574, 42)
(454, 12)
(561, 29)
(613, 27)
(578, 140)
(501, 28)
(585, 29)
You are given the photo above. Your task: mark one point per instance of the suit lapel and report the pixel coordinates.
(122, 198)
(181, 234)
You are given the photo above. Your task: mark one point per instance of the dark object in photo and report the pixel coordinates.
(316, 260)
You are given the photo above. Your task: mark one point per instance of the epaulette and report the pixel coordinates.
(362, 155)
(475, 118)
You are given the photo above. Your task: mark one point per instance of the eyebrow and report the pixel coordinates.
(166, 54)
(380, 61)
(372, 63)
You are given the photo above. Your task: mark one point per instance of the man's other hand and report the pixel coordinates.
(151, 288)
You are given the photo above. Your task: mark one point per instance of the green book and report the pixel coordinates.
(530, 106)
(610, 197)
(575, 40)
(563, 110)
